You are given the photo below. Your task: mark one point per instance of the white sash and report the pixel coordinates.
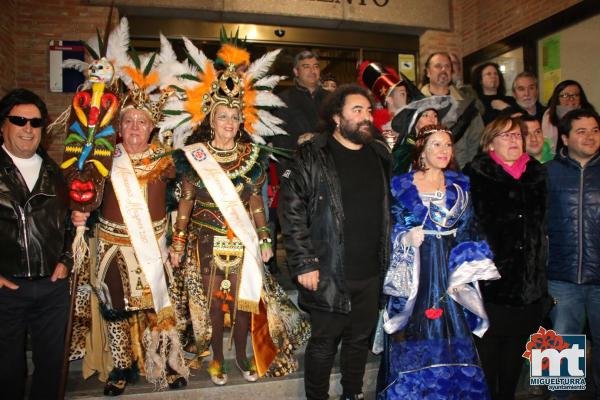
(136, 216)
(224, 195)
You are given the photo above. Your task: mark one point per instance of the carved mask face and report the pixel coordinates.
(89, 146)
(101, 71)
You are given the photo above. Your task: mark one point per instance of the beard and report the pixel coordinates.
(525, 104)
(356, 132)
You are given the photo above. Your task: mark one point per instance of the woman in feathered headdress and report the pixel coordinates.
(221, 228)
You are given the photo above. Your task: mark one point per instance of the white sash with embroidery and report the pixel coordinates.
(136, 216)
(224, 195)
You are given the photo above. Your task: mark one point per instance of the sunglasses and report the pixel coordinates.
(22, 121)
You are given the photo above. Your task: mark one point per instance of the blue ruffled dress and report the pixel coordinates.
(434, 358)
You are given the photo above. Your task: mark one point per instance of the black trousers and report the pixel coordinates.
(354, 330)
(40, 307)
(501, 347)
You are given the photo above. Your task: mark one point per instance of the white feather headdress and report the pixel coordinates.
(232, 80)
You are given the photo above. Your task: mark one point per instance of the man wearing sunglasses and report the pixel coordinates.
(34, 294)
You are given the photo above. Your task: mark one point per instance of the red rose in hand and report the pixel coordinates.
(434, 313)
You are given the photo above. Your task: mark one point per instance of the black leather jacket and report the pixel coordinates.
(311, 215)
(33, 225)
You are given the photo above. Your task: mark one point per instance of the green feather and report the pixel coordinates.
(100, 43)
(92, 52)
(149, 65)
(172, 112)
(287, 153)
(190, 77)
(136, 58)
(183, 122)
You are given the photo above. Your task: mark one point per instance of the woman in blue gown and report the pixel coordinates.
(434, 304)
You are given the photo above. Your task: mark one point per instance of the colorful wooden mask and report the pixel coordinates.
(91, 138)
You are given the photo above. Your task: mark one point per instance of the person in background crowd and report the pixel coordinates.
(391, 92)
(535, 144)
(509, 197)
(438, 82)
(429, 352)
(457, 71)
(303, 101)
(410, 120)
(574, 238)
(36, 251)
(334, 218)
(488, 83)
(329, 82)
(525, 92)
(567, 95)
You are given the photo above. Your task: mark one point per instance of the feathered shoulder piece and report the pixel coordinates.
(230, 80)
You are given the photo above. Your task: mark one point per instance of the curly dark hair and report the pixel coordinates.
(334, 104)
(423, 137)
(204, 133)
(476, 79)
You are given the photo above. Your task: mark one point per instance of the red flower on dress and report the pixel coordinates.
(434, 313)
(545, 339)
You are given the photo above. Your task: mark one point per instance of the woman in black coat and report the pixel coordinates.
(509, 198)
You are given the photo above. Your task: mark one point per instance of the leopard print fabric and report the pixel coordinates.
(191, 304)
(82, 317)
(120, 343)
(288, 326)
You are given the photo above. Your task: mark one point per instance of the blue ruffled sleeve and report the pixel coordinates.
(407, 209)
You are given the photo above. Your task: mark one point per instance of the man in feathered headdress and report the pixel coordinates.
(129, 277)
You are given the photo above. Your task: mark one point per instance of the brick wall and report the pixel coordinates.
(36, 23)
(491, 21)
(479, 23)
(7, 46)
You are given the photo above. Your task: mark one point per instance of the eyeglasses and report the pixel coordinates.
(22, 121)
(570, 96)
(509, 135)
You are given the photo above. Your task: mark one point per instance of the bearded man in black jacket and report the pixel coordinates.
(335, 222)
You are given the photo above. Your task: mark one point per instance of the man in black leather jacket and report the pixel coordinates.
(34, 294)
(335, 222)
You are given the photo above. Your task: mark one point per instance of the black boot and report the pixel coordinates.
(358, 396)
(115, 388)
(176, 381)
(119, 378)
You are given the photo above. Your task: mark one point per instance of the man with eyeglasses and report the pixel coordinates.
(35, 262)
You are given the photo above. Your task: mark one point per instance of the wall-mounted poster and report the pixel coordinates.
(550, 65)
(406, 65)
(65, 80)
